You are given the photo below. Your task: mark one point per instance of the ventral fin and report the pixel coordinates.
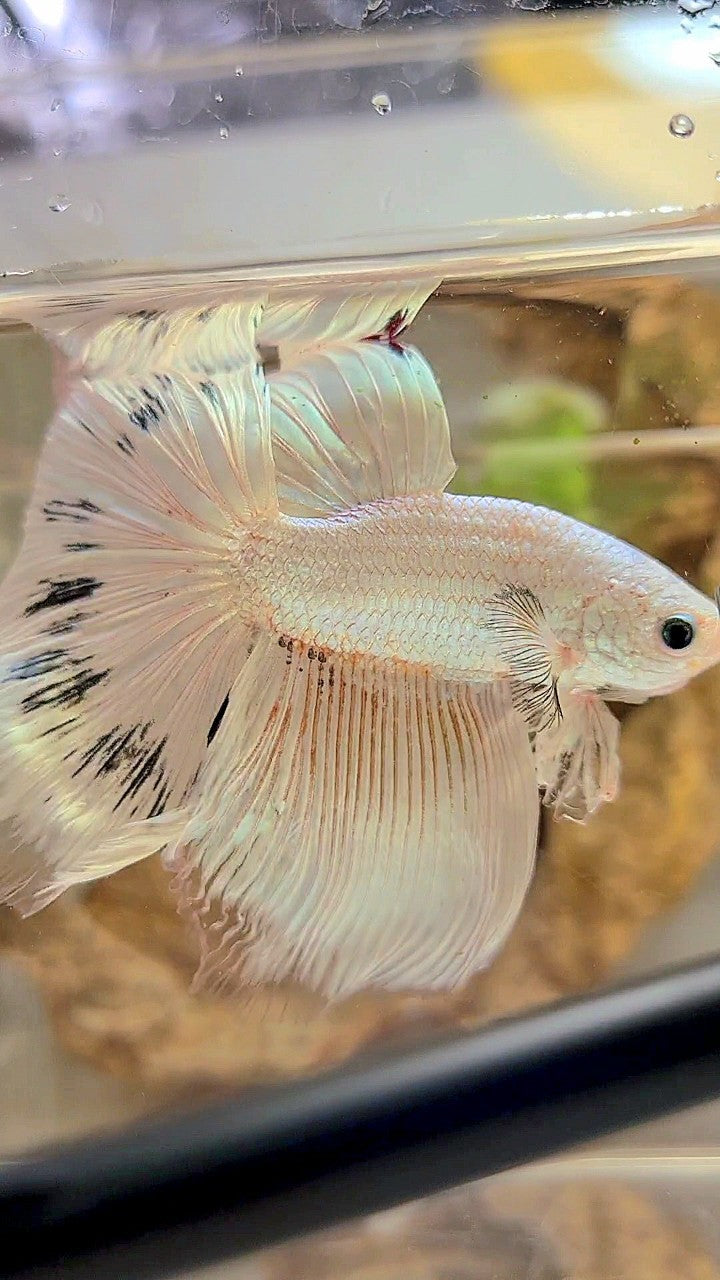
(526, 643)
(357, 826)
(577, 760)
(356, 423)
(298, 322)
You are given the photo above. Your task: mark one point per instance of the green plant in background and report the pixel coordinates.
(522, 445)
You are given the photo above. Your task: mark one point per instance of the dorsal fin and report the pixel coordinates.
(355, 423)
(297, 322)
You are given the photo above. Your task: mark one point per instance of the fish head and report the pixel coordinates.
(647, 632)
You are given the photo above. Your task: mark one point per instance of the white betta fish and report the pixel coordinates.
(248, 626)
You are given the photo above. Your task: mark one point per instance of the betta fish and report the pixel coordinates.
(249, 628)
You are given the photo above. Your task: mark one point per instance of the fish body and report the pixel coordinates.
(419, 580)
(249, 628)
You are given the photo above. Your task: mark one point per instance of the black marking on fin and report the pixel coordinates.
(143, 770)
(147, 411)
(63, 591)
(83, 546)
(144, 317)
(125, 444)
(518, 621)
(218, 718)
(64, 626)
(41, 664)
(137, 759)
(210, 392)
(63, 509)
(69, 691)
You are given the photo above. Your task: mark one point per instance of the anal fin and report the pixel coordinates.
(357, 825)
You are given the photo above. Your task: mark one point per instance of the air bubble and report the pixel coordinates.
(59, 204)
(218, 97)
(446, 84)
(382, 103)
(224, 132)
(681, 126)
(239, 71)
(55, 104)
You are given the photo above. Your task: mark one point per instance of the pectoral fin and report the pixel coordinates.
(358, 826)
(527, 644)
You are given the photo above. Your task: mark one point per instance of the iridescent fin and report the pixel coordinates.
(577, 760)
(298, 322)
(357, 826)
(122, 630)
(193, 339)
(528, 646)
(356, 423)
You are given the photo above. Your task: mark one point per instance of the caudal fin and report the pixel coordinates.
(122, 630)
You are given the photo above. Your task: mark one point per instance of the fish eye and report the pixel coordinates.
(678, 632)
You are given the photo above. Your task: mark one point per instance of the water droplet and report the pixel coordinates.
(59, 204)
(224, 132)
(57, 152)
(239, 71)
(218, 97)
(55, 104)
(681, 126)
(694, 6)
(687, 26)
(714, 22)
(446, 84)
(382, 103)
(532, 5)
(715, 58)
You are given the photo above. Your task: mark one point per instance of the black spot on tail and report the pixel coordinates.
(218, 719)
(67, 692)
(60, 591)
(143, 317)
(210, 392)
(40, 664)
(64, 626)
(146, 411)
(137, 761)
(62, 509)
